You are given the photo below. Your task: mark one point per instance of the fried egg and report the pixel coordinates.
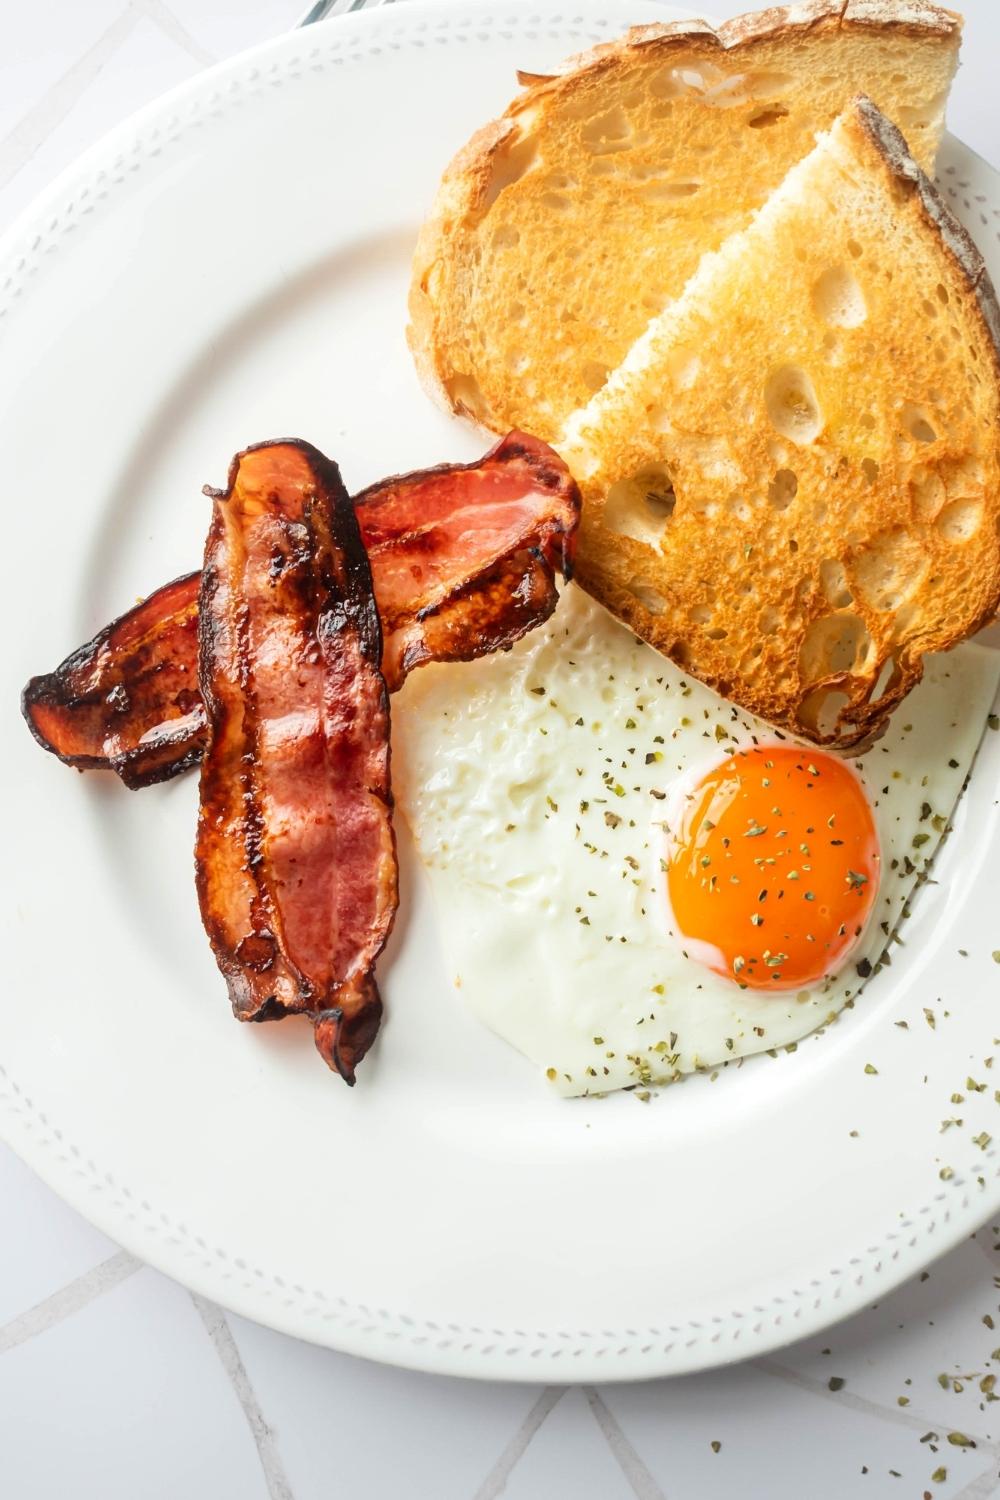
(634, 879)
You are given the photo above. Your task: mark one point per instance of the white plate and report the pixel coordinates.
(229, 266)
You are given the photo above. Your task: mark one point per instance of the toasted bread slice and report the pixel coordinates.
(792, 484)
(564, 226)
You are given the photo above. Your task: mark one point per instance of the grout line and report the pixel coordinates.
(631, 1465)
(496, 1480)
(162, 16)
(900, 1416)
(982, 1487)
(231, 1360)
(69, 1300)
(33, 129)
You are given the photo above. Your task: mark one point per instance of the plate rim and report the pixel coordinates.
(392, 1336)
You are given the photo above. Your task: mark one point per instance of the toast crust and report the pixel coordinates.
(889, 140)
(467, 352)
(906, 17)
(892, 516)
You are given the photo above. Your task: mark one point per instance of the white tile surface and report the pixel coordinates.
(123, 1399)
(143, 63)
(43, 1244)
(114, 1384)
(568, 1456)
(446, 1434)
(46, 52)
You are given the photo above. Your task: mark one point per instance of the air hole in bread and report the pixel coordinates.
(718, 634)
(675, 83)
(960, 520)
(516, 312)
(855, 249)
(608, 132)
(556, 202)
(886, 679)
(837, 298)
(833, 581)
(889, 570)
(792, 405)
(509, 165)
(834, 645)
(640, 506)
(766, 117)
(793, 545)
(927, 493)
(465, 395)
(820, 712)
(506, 237)
(963, 476)
(929, 308)
(701, 614)
(603, 167)
(652, 600)
(595, 375)
(770, 619)
(941, 292)
(783, 489)
(916, 421)
(740, 88)
(869, 469)
(867, 421)
(668, 192)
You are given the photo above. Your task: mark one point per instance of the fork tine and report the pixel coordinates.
(322, 10)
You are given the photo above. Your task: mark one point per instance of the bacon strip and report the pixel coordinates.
(462, 557)
(128, 700)
(295, 857)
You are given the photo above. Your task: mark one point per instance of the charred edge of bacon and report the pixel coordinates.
(523, 593)
(52, 704)
(343, 1036)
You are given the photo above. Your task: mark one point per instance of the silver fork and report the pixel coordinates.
(324, 8)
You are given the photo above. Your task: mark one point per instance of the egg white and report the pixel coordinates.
(537, 784)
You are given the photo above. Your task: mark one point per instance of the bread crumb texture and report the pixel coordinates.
(792, 483)
(562, 228)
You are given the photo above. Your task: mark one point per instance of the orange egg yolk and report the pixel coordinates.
(774, 866)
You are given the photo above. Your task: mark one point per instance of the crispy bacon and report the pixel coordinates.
(463, 555)
(462, 559)
(128, 700)
(295, 858)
